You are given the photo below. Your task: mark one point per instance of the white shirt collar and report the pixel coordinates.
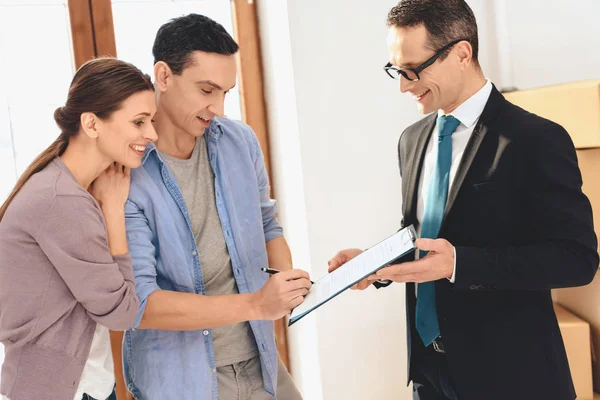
(470, 110)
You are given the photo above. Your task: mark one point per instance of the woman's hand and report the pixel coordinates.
(111, 187)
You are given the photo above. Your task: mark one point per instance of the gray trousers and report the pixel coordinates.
(244, 381)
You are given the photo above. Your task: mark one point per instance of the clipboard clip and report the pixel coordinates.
(412, 234)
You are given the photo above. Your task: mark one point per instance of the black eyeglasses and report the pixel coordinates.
(412, 74)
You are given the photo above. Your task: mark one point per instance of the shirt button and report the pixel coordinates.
(194, 253)
(205, 333)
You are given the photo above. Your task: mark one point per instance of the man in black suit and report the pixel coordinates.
(495, 194)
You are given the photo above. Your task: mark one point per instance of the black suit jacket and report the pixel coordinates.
(521, 226)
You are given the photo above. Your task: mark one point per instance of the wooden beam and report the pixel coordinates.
(104, 30)
(81, 31)
(245, 21)
(250, 69)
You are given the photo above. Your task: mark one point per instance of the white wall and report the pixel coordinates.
(335, 119)
(552, 41)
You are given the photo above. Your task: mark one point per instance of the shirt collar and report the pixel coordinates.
(215, 131)
(470, 110)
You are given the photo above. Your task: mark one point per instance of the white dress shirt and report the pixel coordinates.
(98, 377)
(468, 114)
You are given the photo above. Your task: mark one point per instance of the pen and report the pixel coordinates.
(272, 271)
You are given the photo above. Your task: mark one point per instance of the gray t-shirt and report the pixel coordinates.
(232, 343)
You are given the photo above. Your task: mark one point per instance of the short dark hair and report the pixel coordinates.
(445, 21)
(177, 39)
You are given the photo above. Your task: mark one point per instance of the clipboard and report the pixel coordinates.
(367, 263)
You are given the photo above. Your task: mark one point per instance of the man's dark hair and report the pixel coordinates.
(445, 21)
(177, 39)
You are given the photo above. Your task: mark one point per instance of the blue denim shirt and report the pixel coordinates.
(164, 365)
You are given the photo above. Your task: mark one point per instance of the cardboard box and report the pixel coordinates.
(575, 106)
(576, 336)
(585, 302)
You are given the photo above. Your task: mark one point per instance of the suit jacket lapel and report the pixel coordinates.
(415, 165)
(481, 129)
(465, 163)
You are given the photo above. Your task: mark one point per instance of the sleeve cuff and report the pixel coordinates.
(453, 277)
(381, 283)
(273, 233)
(143, 295)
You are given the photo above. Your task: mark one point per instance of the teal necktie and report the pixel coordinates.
(426, 314)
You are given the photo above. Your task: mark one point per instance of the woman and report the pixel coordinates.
(65, 272)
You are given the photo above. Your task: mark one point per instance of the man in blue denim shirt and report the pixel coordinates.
(200, 225)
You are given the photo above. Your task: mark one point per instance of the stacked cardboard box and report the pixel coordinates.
(585, 302)
(576, 336)
(576, 107)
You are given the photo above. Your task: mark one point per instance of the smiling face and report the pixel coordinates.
(439, 86)
(190, 100)
(124, 135)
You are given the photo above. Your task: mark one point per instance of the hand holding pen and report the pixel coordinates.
(281, 294)
(272, 271)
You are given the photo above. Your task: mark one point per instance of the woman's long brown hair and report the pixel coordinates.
(99, 86)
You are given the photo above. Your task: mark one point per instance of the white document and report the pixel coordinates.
(363, 265)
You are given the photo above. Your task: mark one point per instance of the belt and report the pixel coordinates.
(438, 346)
